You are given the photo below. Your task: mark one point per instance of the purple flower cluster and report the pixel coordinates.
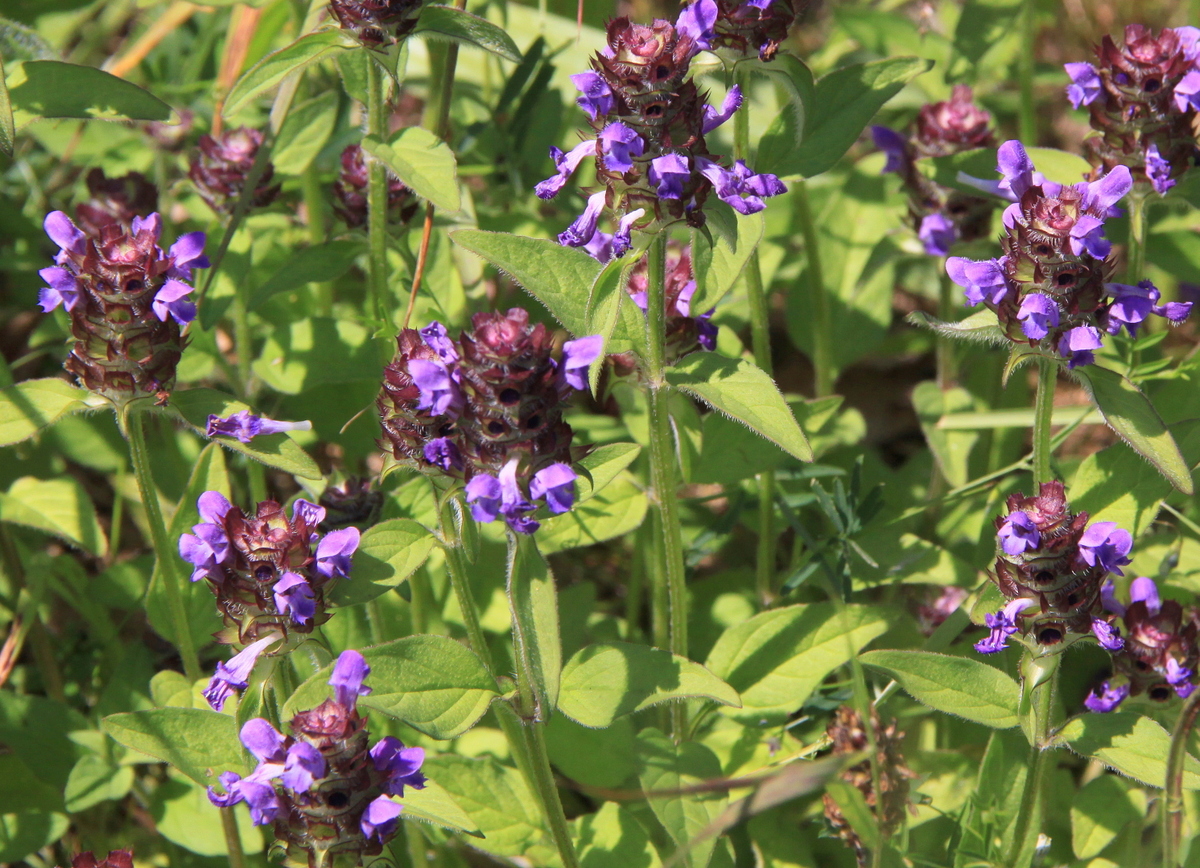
(1050, 288)
(1160, 657)
(268, 573)
(323, 787)
(650, 123)
(1050, 566)
(1142, 98)
(487, 409)
(245, 426)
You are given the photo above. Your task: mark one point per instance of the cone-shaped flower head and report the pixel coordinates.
(221, 170)
(487, 409)
(1050, 567)
(1161, 658)
(1142, 98)
(350, 192)
(377, 22)
(1050, 288)
(325, 787)
(940, 215)
(127, 300)
(739, 27)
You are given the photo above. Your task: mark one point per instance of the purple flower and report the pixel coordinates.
(334, 552)
(1088, 234)
(245, 426)
(262, 740)
(668, 174)
(212, 506)
(1175, 311)
(205, 548)
(379, 819)
(484, 497)
(1038, 314)
(565, 166)
(1076, 345)
(938, 233)
(740, 188)
(1107, 699)
(401, 765)
(172, 301)
(1158, 170)
(698, 20)
(1131, 305)
(491, 497)
(1187, 94)
(260, 797)
(65, 234)
(436, 339)
(600, 248)
(439, 393)
(349, 672)
(1016, 168)
(1102, 196)
(1002, 625)
(983, 281)
(235, 674)
(303, 766)
(577, 357)
(1108, 598)
(622, 240)
(619, 144)
(714, 118)
(1144, 590)
(1106, 545)
(312, 514)
(1108, 635)
(581, 231)
(294, 595)
(706, 332)
(187, 253)
(61, 289)
(442, 452)
(1018, 534)
(556, 484)
(1085, 83)
(597, 98)
(894, 145)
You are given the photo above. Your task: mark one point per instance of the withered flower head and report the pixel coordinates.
(351, 192)
(376, 22)
(115, 200)
(221, 170)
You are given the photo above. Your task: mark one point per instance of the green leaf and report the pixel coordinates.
(303, 134)
(1133, 745)
(184, 815)
(457, 25)
(499, 803)
(1102, 808)
(533, 601)
(743, 392)
(199, 742)
(273, 450)
(8, 129)
(1113, 485)
(777, 658)
(854, 808)
(613, 512)
(60, 507)
(423, 162)
(594, 757)
(603, 464)
(668, 771)
(433, 804)
(95, 780)
(981, 327)
(603, 311)
(788, 127)
(612, 838)
(432, 683)
(42, 733)
(315, 351)
(843, 103)
(322, 262)
(18, 42)
(27, 832)
(30, 406)
(718, 264)
(270, 72)
(952, 449)
(53, 89)
(606, 681)
(1130, 413)
(387, 554)
(955, 685)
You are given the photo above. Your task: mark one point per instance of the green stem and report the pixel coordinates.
(945, 346)
(242, 342)
(233, 839)
(547, 792)
(822, 335)
(662, 464)
(1029, 821)
(164, 553)
(1136, 254)
(1027, 115)
(1043, 416)
(377, 195)
(314, 207)
(1172, 807)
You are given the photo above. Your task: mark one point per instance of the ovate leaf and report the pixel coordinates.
(32, 405)
(423, 162)
(1129, 412)
(604, 682)
(53, 89)
(955, 685)
(304, 133)
(668, 771)
(269, 72)
(613, 512)
(60, 507)
(458, 25)
(603, 465)
(433, 804)
(1102, 808)
(27, 832)
(322, 262)
(536, 636)
(981, 327)
(743, 392)
(719, 264)
(199, 742)
(1133, 745)
(387, 554)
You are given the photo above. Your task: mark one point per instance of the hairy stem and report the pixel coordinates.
(164, 553)
(822, 322)
(1171, 811)
(314, 209)
(1135, 257)
(1029, 820)
(1027, 115)
(946, 372)
(233, 839)
(377, 239)
(547, 793)
(662, 464)
(1043, 415)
